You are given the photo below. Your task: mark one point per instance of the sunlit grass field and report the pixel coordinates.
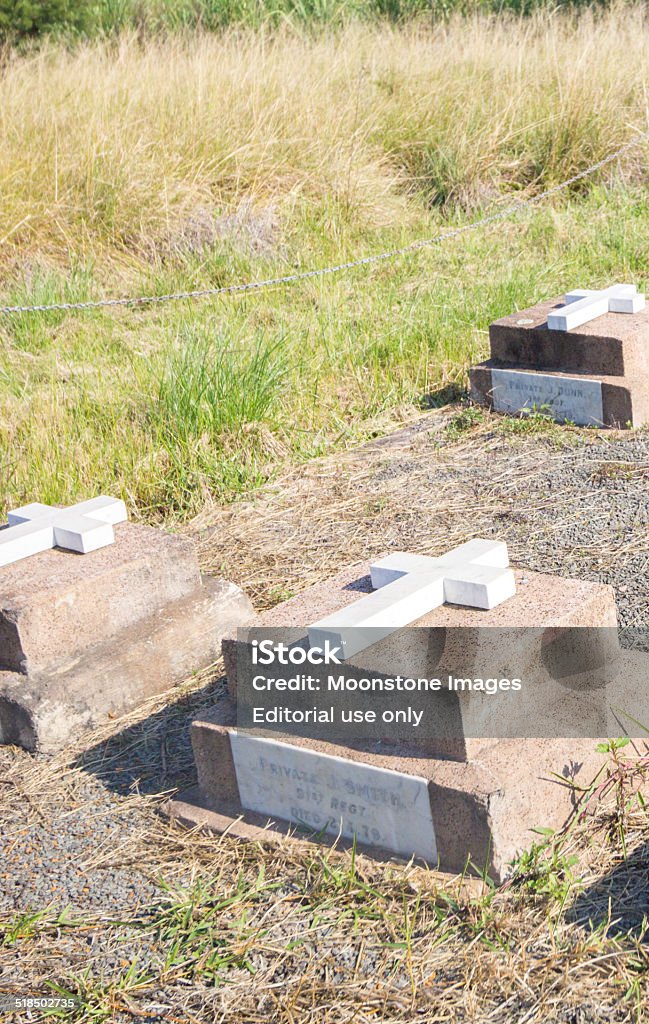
(139, 166)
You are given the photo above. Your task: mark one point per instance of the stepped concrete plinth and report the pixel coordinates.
(594, 374)
(87, 636)
(472, 798)
(474, 815)
(473, 640)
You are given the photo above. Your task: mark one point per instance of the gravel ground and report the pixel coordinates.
(581, 512)
(567, 501)
(82, 832)
(50, 862)
(64, 820)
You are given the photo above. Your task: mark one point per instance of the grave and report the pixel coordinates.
(473, 801)
(84, 527)
(405, 587)
(96, 615)
(583, 358)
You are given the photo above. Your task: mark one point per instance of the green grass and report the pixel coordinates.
(91, 18)
(198, 161)
(169, 406)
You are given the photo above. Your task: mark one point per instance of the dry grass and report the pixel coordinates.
(110, 150)
(186, 162)
(146, 166)
(250, 932)
(300, 934)
(397, 491)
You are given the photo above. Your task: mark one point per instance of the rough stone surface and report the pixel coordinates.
(87, 637)
(483, 811)
(541, 603)
(540, 600)
(615, 345)
(613, 348)
(55, 604)
(407, 586)
(485, 794)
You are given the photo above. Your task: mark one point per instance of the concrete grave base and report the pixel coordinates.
(83, 637)
(591, 375)
(541, 605)
(225, 817)
(484, 796)
(483, 811)
(619, 402)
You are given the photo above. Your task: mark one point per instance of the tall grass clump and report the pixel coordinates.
(211, 398)
(351, 126)
(210, 385)
(146, 164)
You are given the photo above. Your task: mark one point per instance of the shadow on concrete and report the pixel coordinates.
(618, 900)
(363, 585)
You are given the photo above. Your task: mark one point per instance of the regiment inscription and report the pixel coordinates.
(381, 807)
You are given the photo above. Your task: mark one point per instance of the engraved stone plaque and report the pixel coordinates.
(383, 808)
(578, 399)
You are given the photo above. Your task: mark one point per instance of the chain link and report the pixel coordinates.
(364, 261)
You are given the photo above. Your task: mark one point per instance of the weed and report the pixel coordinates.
(94, 1000)
(205, 929)
(545, 871)
(468, 418)
(23, 926)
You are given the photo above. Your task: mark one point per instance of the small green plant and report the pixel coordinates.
(612, 747)
(27, 925)
(205, 929)
(623, 783)
(89, 998)
(23, 926)
(539, 421)
(636, 992)
(535, 420)
(544, 870)
(468, 418)
(274, 595)
(209, 385)
(615, 470)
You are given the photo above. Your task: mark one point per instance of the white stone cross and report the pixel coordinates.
(583, 305)
(83, 528)
(406, 587)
